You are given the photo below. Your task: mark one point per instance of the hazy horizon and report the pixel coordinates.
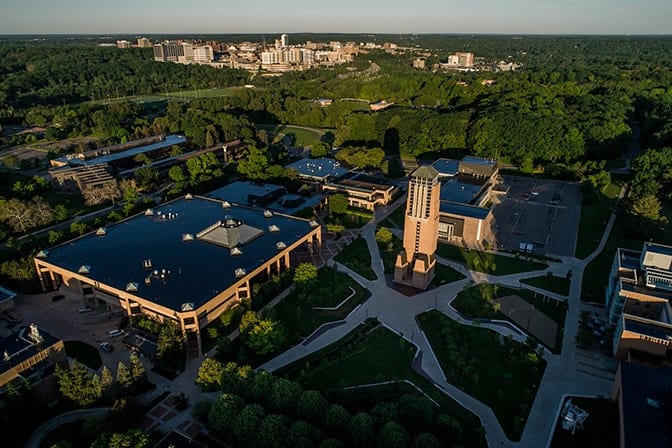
(513, 17)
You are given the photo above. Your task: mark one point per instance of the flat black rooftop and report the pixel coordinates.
(195, 270)
(647, 405)
(19, 347)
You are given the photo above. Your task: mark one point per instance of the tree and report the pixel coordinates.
(137, 370)
(106, 381)
(272, 431)
(647, 206)
(338, 203)
(255, 165)
(146, 177)
(284, 395)
(393, 435)
(336, 418)
(124, 377)
(450, 428)
(426, 440)
(209, 374)
(246, 424)
(384, 236)
(320, 149)
(360, 430)
(302, 434)
(261, 335)
(311, 405)
(133, 438)
(416, 411)
(130, 194)
(97, 195)
(224, 412)
(176, 174)
(78, 385)
(305, 277)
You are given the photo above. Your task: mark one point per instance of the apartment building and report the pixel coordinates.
(638, 297)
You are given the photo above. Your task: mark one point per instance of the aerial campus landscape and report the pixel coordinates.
(336, 239)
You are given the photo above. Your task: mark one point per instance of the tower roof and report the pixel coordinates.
(425, 172)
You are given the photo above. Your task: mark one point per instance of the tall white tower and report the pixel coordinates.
(284, 40)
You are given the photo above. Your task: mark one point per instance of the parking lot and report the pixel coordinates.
(63, 320)
(538, 212)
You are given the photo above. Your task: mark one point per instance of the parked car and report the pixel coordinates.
(106, 347)
(85, 309)
(57, 297)
(115, 333)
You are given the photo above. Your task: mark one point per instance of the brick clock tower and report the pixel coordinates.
(415, 263)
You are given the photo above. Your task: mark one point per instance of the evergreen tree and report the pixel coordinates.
(106, 381)
(137, 370)
(124, 377)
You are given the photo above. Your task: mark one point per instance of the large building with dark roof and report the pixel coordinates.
(318, 170)
(187, 260)
(638, 297)
(644, 398)
(363, 191)
(466, 185)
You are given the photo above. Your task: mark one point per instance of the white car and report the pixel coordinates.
(115, 333)
(85, 309)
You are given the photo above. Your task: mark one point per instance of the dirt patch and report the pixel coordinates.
(530, 319)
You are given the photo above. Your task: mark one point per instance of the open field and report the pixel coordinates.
(593, 217)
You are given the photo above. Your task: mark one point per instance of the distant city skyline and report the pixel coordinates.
(347, 16)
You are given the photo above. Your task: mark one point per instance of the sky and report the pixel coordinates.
(146, 17)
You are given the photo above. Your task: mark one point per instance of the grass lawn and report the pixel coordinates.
(302, 136)
(486, 262)
(389, 252)
(370, 354)
(297, 313)
(444, 274)
(395, 220)
(84, 353)
(357, 257)
(600, 430)
(552, 283)
(353, 219)
(501, 373)
(478, 302)
(593, 216)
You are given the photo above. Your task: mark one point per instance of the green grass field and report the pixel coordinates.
(593, 216)
(379, 356)
(357, 257)
(485, 262)
(302, 136)
(558, 285)
(395, 220)
(501, 373)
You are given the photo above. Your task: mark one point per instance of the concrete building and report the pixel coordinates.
(143, 42)
(638, 298)
(187, 260)
(203, 54)
(123, 44)
(168, 51)
(318, 170)
(29, 353)
(416, 262)
(420, 63)
(466, 188)
(363, 191)
(644, 398)
(284, 41)
(79, 179)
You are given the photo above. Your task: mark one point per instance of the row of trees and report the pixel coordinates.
(259, 409)
(84, 389)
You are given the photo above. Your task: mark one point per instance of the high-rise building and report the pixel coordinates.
(415, 263)
(465, 59)
(168, 51)
(307, 56)
(284, 40)
(143, 42)
(203, 54)
(123, 44)
(294, 55)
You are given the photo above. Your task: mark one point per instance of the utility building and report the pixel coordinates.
(415, 263)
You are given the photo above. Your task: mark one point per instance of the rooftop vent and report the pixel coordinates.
(187, 237)
(273, 228)
(147, 264)
(35, 335)
(84, 269)
(268, 214)
(132, 287)
(102, 231)
(188, 196)
(226, 204)
(236, 251)
(280, 245)
(6, 356)
(44, 253)
(240, 272)
(188, 306)
(314, 223)
(149, 212)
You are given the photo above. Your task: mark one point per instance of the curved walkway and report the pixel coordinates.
(398, 312)
(45, 428)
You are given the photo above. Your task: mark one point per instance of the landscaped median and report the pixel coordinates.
(372, 354)
(357, 257)
(501, 373)
(542, 318)
(486, 262)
